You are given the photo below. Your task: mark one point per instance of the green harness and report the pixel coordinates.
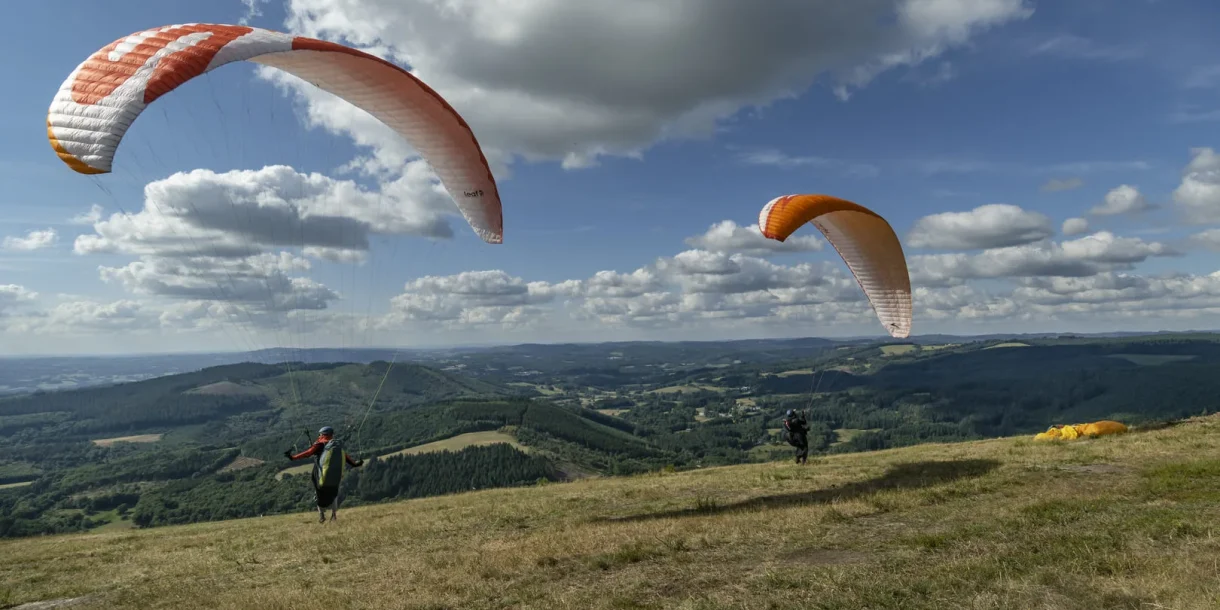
(328, 470)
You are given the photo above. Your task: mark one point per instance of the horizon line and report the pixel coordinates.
(483, 346)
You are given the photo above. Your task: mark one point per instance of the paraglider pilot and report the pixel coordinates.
(327, 470)
(797, 430)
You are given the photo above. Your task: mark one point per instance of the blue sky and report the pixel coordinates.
(682, 115)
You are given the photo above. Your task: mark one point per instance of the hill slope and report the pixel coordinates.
(1118, 522)
(206, 445)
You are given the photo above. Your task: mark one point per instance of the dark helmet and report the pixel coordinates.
(326, 431)
(791, 413)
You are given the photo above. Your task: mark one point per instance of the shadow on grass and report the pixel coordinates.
(910, 475)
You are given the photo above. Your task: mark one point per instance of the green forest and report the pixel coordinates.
(209, 445)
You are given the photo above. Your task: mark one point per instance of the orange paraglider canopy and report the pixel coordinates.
(864, 240)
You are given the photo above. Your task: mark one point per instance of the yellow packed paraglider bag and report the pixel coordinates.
(1104, 427)
(1051, 434)
(1073, 432)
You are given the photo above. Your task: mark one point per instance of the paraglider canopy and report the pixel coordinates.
(104, 95)
(1095, 429)
(864, 240)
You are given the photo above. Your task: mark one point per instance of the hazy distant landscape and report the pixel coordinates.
(29, 374)
(207, 444)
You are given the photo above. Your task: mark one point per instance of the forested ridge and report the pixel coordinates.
(209, 445)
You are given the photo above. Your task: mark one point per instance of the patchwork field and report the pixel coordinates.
(898, 350)
(687, 389)
(456, 443)
(139, 438)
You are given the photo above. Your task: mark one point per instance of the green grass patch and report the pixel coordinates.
(454, 443)
(844, 435)
(898, 350)
(139, 438)
(1184, 481)
(687, 389)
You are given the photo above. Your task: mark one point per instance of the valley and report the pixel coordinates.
(207, 445)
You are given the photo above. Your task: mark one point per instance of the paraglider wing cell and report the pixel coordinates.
(1104, 427)
(864, 240)
(102, 97)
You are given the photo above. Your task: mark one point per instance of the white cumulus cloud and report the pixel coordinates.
(34, 240)
(12, 295)
(229, 237)
(1125, 199)
(1082, 257)
(727, 236)
(573, 81)
(253, 9)
(1075, 226)
(87, 218)
(214, 253)
(988, 226)
(473, 298)
(1198, 195)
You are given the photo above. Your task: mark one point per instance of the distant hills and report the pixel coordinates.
(209, 444)
(28, 374)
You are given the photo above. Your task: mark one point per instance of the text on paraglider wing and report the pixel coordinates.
(474, 193)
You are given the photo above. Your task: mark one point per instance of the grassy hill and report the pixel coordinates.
(1116, 522)
(241, 390)
(251, 391)
(453, 443)
(102, 456)
(208, 445)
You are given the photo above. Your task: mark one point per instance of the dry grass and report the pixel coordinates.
(294, 470)
(612, 412)
(15, 485)
(689, 389)
(932, 348)
(1009, 344)
(460, 442)
(226, 388)
(139, 438)
(844, 435)
(792, 373)
(544, 390)
(1116, 522)
(897, 350)
(453, 443)
(241, 462)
